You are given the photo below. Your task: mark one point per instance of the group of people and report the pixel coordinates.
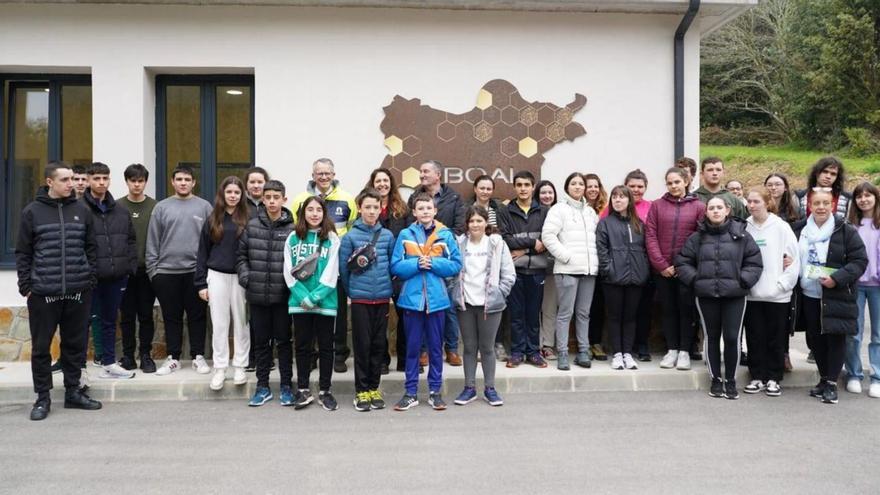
(767, 261)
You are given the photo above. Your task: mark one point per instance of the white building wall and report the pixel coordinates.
(322, 76)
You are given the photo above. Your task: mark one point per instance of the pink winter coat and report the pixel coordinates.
(670, 222)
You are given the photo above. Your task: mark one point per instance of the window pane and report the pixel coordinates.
(76, 124)
(183, 130)
(30, 148)
(233, 131)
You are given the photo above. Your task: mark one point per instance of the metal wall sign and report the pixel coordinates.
(501, 135)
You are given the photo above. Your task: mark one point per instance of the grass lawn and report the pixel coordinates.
(752, 164)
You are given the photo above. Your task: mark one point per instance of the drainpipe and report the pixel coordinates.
(682, 29)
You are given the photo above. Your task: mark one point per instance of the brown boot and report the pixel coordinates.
(453, 358)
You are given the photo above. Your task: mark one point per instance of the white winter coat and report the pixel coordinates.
(775, 239)
(569, 234)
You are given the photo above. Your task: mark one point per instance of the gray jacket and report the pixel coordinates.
(499, 281)
(174, 233)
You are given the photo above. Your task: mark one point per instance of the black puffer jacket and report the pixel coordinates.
(720, 261)
(520, 230)
(115, 238)
(622, 256)
(260, 263)
(55, 250)
(846, 252)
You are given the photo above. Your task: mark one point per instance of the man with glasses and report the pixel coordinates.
(341, 208)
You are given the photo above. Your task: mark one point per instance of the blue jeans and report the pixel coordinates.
(869, 296)
(106, 299)
(524, 304)
(451, 331)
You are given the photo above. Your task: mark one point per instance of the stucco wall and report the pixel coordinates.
(322, 76)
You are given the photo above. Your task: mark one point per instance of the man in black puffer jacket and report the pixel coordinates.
(55, 259)
(117, 259)
(260, 268)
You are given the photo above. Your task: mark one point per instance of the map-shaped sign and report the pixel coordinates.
(502, 135)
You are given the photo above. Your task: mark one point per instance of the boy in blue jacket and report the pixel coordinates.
(364, 268)
(424, 255)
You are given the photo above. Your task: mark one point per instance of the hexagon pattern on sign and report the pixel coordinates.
(501, 135)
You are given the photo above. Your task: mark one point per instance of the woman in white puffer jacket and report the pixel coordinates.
(569, 233)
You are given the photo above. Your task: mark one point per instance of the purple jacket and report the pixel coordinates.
(871, 238)
(670, 222)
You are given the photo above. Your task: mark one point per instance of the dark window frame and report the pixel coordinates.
(208, 117)
(7, 139)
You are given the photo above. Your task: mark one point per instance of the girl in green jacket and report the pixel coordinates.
(311, 269)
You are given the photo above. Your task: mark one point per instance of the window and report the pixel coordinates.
(44, 118)
(207, 123)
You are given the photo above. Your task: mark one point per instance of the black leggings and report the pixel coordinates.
(722, 317)
(678, 313)
(620, 302)
(829, 350)
(308, 327)
(766, 328)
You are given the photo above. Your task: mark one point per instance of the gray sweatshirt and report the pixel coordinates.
(173, 236)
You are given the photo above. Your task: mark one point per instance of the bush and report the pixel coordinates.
(862, 142)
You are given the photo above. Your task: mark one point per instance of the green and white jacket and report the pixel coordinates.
(317, 294)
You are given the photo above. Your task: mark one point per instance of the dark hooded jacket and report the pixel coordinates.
(846, 252)
(260, 264)
(622, 256)
(55, 250)
(115, 238)
(720, 260)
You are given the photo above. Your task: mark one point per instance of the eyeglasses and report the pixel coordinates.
(323, 174)
(822, 189)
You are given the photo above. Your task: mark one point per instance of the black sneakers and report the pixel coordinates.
(75, 399)
(406, 402)
(56, 367)
(829, 395)
(147, 364)
(41, 409)
(302, 399)
(128, 363)
(327, 401)
(717, 388)
(730, 390)
(436, 401)
(818, 389)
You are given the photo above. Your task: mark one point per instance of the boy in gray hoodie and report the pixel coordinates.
(172, 248)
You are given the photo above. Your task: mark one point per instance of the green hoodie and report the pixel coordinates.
(317, 294)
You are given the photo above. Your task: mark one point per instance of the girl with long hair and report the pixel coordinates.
(624, 268)
(311, 270)
(597, 198)
(865, 216)
(545, 195)
(216, 279)
(484, 187)
(483, 284)
(569, 234)
(785, 204)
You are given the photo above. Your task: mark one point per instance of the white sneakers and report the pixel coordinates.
(115, 372)
(669, 359)
(629, 363)
(218, 379)
(684, 361)
(874, 390)
(239, 377)
(200, 365)
(617, 361)
(854, 386)
(754, 387)
(169, 366)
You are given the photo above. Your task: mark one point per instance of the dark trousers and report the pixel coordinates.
(370, 342)
(829, 350)
(619, 302)
(45, 314)
(341, 330)
(678, 313)
(137, 303)
(424, 328)
(401, 342)
(644, 319)
(597, 314)
(722, 317)
(106, 299)
(177, 295)
(766, 328)
(524, 303)
(307, 328)
(272, 324)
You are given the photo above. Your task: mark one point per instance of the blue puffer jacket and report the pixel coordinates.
(374, 284)
(425, 290)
